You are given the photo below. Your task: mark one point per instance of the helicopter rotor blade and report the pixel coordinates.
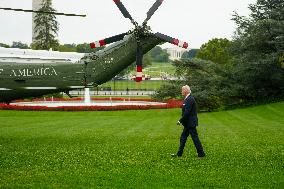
(139, 59)
(108, 40)
(171, 40)
(42, 12)
(123, 10)
(152, 10)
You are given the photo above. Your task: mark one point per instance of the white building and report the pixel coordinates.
(175, 53)
(36, 6)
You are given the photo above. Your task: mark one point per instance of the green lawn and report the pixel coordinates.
(130, 149)
(156, 69)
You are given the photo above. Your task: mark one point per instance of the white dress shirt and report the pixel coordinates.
(187, 96)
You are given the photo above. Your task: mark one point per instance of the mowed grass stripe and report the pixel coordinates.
(130, 149)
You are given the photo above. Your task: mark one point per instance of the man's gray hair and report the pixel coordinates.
(186, 88)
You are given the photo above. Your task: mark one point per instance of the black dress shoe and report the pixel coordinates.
(201, 155)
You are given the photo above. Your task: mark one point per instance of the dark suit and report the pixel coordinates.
(190, 121)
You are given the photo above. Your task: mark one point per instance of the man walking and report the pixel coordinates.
(189, 121)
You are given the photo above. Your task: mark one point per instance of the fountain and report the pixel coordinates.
(87, 97)
(86, 102)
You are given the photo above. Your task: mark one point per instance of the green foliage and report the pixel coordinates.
(258, 47)
(46, 27)
(85, 48)
(67, 48)
(159, 55)
(208, 82)
(54, 95)
(147, 61)
(19, 45)
(4, 45)
(190, 54)
(130, 149)
(80, 48)
(216, 50)
(281, 61)
(259, 78)
(255, 72)
(169, 90)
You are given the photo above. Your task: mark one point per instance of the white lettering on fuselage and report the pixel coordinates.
(26, 72)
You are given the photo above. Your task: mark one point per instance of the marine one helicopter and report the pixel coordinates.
(21, 80)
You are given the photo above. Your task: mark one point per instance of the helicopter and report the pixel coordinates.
(23, 80)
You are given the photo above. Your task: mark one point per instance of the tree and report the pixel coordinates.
(4, 45)
(159, 55)
(258, 46)
(67, 48)
(256, 72)
(208, 81)
(216, 50)
(85, 48)
(190, 54)
(19, 45)
(147, 60)
(46, 27)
